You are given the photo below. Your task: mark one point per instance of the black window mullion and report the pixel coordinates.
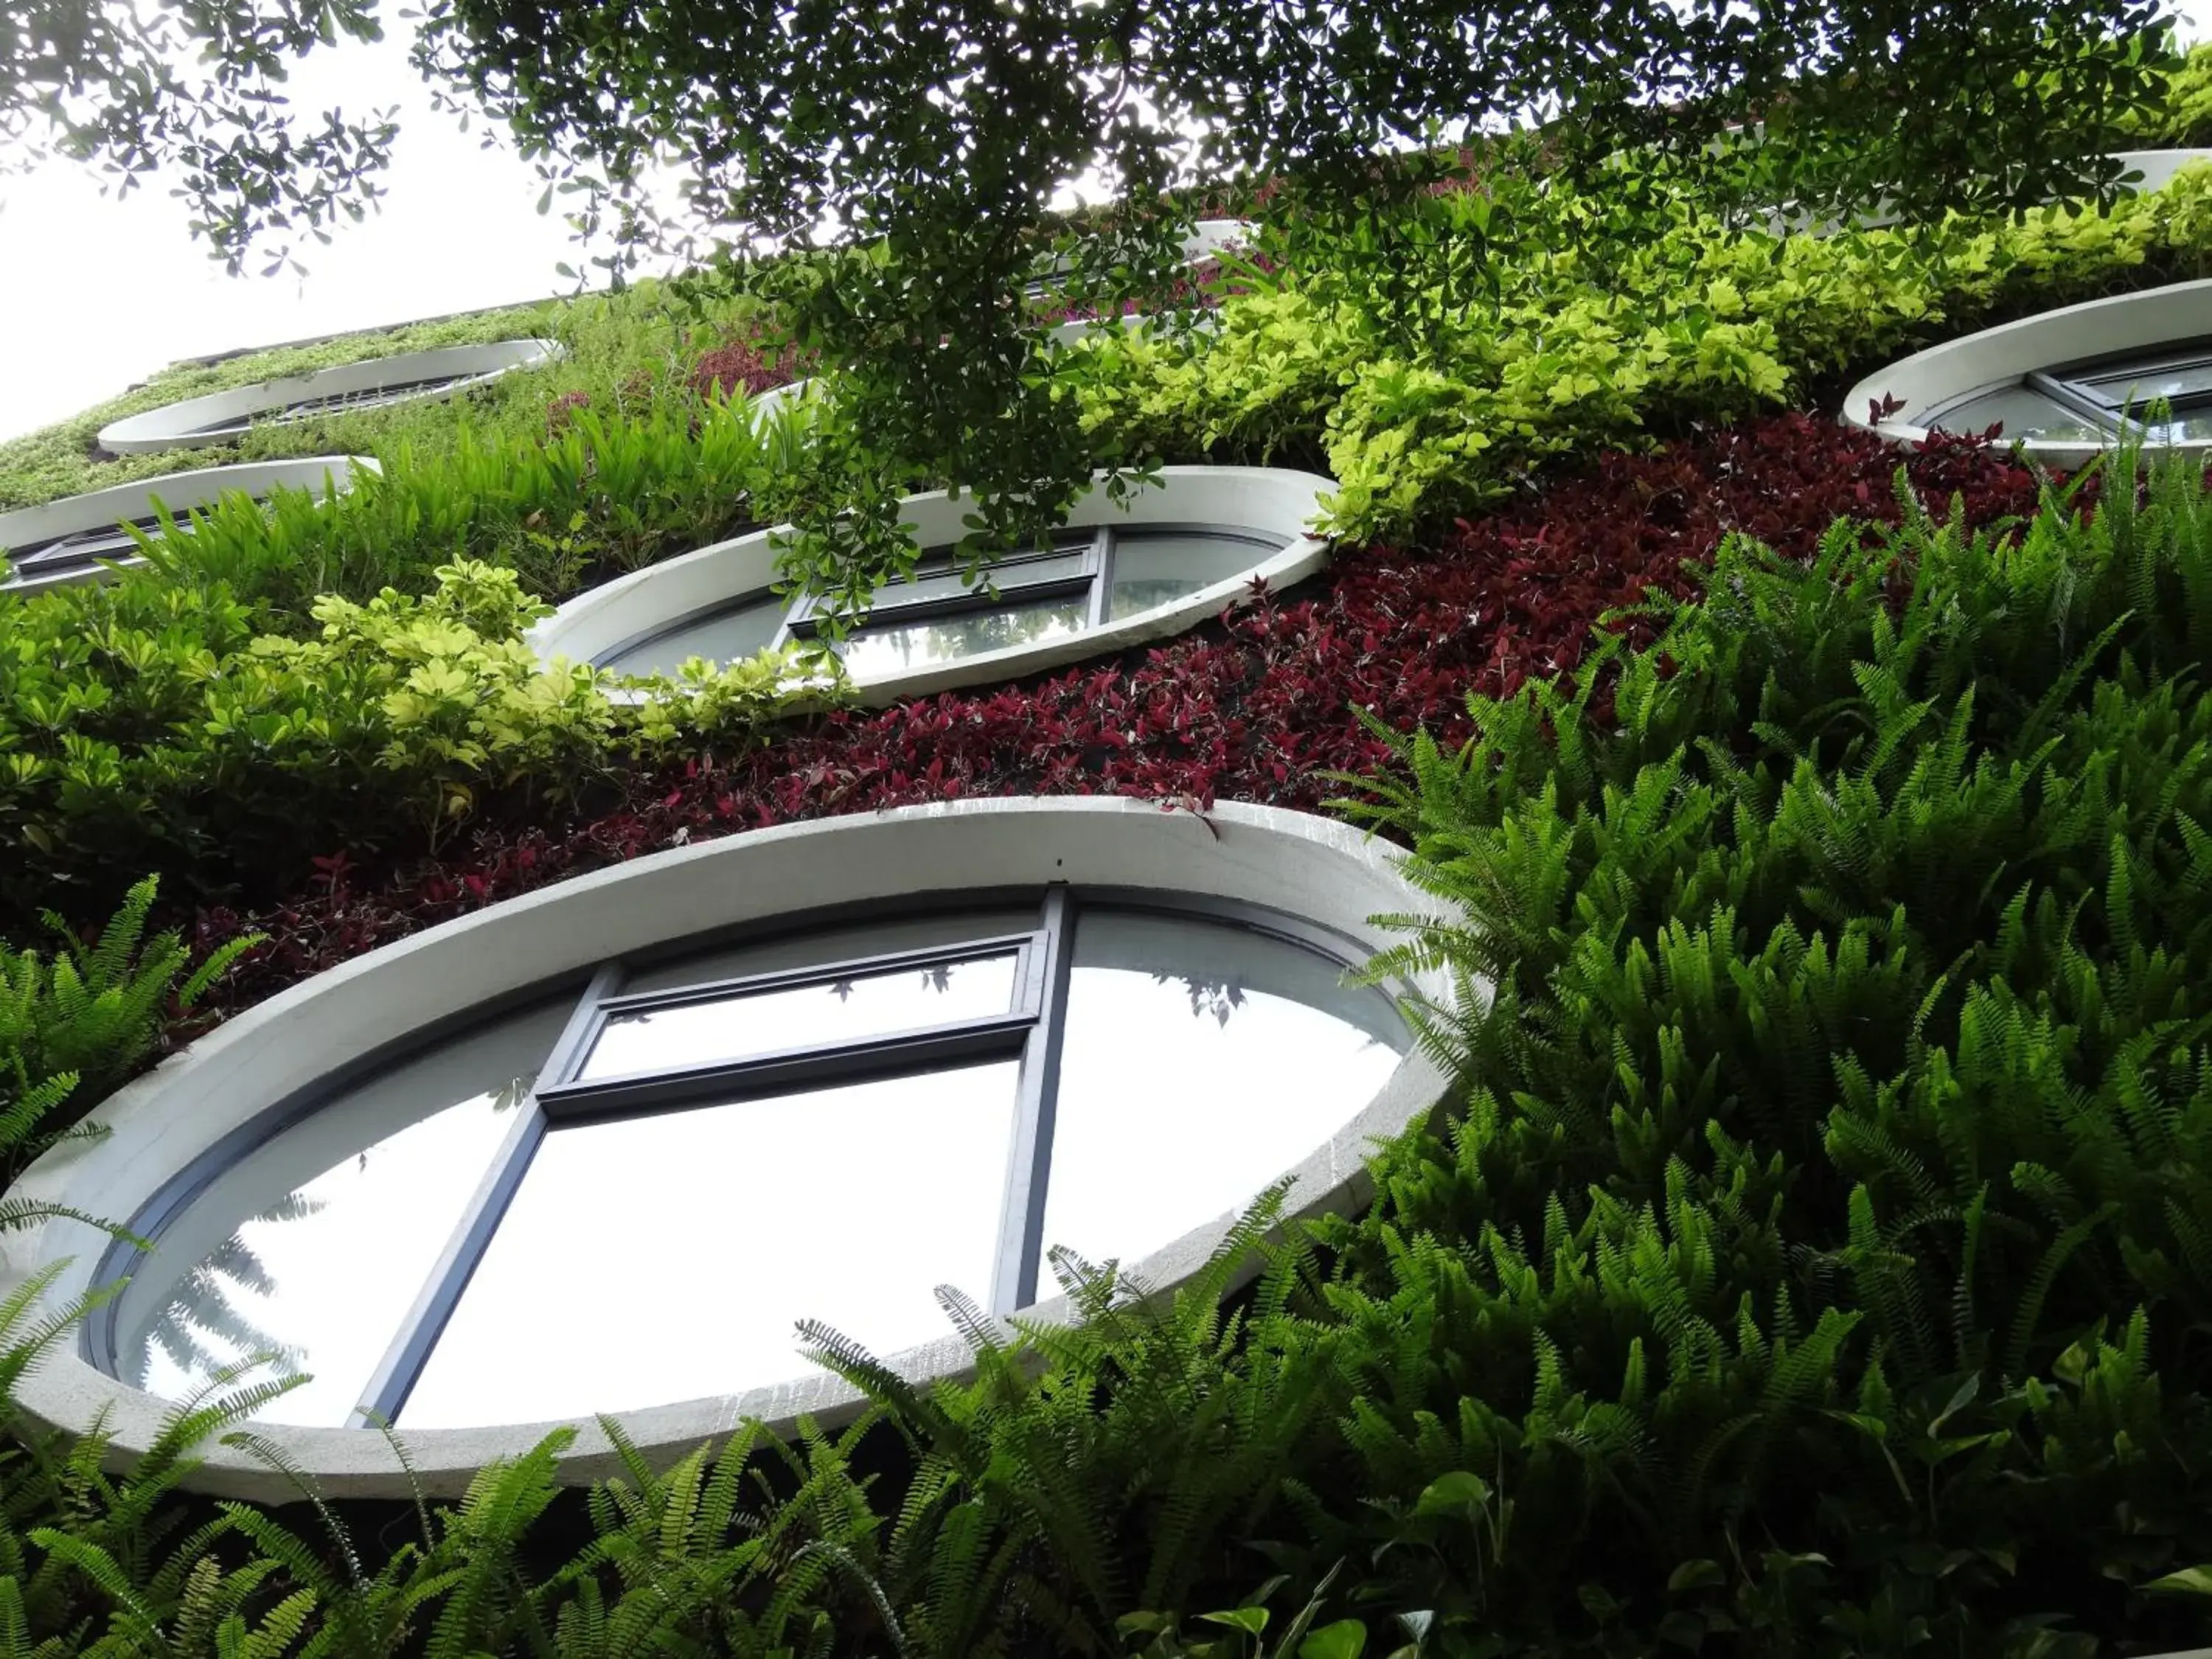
(1101, 577)
(2079, 400)
(897, 1053)
(409, 1348)
(1021, 1226)
(826, 973)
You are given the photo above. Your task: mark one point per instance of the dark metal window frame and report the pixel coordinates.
(329, 404)
(2067, 385)
(1031, 1031)
(89, 549)
(1006, 585)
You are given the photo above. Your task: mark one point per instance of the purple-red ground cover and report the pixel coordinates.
(1258, 707)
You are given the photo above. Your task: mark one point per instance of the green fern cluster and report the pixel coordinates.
(74, 1026)
(1816, 1258)
(1827, 1225)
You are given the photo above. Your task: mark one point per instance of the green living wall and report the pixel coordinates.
(1809, 1256)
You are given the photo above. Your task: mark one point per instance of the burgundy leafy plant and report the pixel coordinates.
(1258, 706)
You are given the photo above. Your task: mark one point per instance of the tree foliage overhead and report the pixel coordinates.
(918, 148)
(193, 86)
(930, 139)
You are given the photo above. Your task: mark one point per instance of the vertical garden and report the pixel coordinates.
(1811, 1252)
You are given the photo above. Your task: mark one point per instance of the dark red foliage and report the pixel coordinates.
(743, 369)
(1257, 706)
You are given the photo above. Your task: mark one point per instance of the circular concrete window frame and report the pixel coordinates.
(217, 1091)
(179, 493)
(1270, 499)
(222, 417)
(1943, 376)
(2156, 167)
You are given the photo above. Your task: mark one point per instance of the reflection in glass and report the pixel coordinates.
(727, 634)
(344, 1215)
(2146, 381)
(817, 947)
(2022, 412)
(1153, 570)
(943, 580)
(750, 1022)
(1201, 1062)
(651, 1260)
(2185, 426)
(893, 648)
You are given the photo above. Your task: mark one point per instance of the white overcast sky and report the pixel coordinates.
(97, 293)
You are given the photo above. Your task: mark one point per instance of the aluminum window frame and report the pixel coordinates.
(2067, 384)
(1030, 1030)
(1004, 577)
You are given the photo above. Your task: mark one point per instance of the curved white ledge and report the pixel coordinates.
(220, 418)
(767, 403)
(230, 1080)
(2157, 167)
(30, 527)
(1207, 321)
(1209, 237)
(1927, 381)
(1267, 499)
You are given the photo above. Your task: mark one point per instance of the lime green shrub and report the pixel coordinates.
(1673, 317)
(147, 725)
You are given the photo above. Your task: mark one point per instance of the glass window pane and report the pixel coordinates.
(1153, 570)
(728, 634)
(2142, 380)
(647, 1261)
(818, 946)
(1010, 576)
(316, 1245)
(1202, 1061)
(893, 649)
(2021, 412)
(750, 1022)
(2187, 426)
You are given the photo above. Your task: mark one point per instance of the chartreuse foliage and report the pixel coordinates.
(1426, 380)
(1435, 405)
(148, 725)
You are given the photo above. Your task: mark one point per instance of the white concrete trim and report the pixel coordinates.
(769, 403)
(1998, 356)
(2157, 167)
(179, 493)
(1209, 237)
(178, 425)
(1267, 499)
(159, 1124)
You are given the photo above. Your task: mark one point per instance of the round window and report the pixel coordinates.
(824, 1126)
(605, 1147)
(1121, 574)
(222, 417)
(2064, 385)
(79, 537)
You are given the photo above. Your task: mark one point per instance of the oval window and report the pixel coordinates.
(631, 1195)
(1119, 574)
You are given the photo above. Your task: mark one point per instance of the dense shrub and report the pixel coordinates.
(1262, 707)
(597, 493)
(148, 726)
(1439, 405)
(1811, 1263)
(623, 351)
